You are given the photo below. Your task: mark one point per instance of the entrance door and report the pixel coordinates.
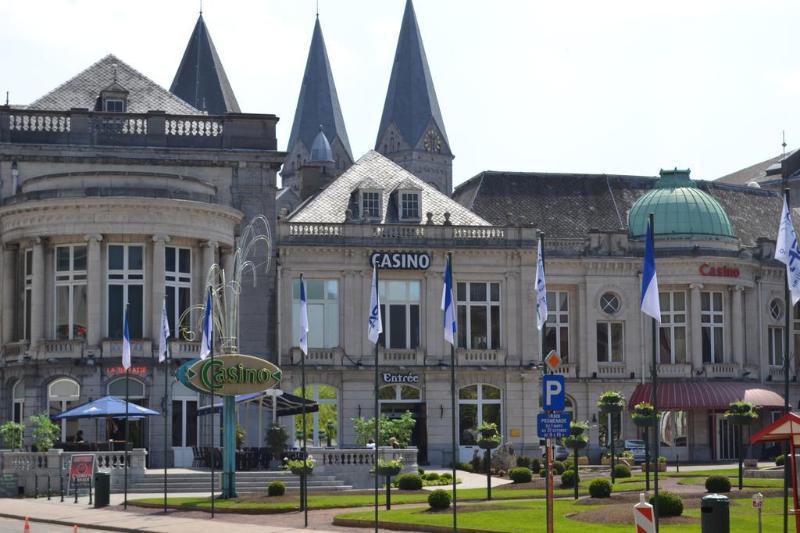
(419, 435)
(727, 437)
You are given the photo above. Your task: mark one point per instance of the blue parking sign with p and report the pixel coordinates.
(553, 392)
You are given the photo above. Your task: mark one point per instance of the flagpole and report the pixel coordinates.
(213, 452)
(166, 409)
(377, 404)
(548, 479)
(787, 317)
(657, 431)
(303, 492)
(126, 333)
(453, 394)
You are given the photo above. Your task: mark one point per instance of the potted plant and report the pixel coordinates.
(45, 432)
(299, 467)
(611, 403)
(741, 414)
(389, 469)
(488, 440)
(577, 440)
(644, 416)
(11, 434)
(276, 441)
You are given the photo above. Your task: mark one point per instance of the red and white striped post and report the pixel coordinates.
(643, 516)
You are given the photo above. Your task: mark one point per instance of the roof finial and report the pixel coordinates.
(6, 97)
(114, 68)
(201, 8)
(317, 8)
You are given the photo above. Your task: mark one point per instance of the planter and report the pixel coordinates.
(299, 471)
(751, 463)
(618, 461)
(389, 471)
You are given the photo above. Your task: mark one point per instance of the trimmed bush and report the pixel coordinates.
(718, 484)
(439, 499)
(536, 465)
(568, 479)
(520, 474)
(669, 504)
(524, 461)
(276, 488)
(780, 460)
(621, 470)
(430, 476)
(446, 475)
(558, 468)
(543, 472)
(409, 482)
(600, 488)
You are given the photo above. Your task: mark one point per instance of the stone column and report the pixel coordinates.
(37, 292)
(737, 325)
(159, 267)
(94, 290)
(209, 258)
(9, 288)
(696, 344)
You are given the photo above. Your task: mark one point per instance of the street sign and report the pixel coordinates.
(553, 425)
(553, 392)
(552, 360)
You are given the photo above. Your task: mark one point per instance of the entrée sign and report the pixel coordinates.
(400, 378)
(229, 375)
(719, 271)
(400, 260)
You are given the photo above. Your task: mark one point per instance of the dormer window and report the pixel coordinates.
(114, 105)
(409, 205)
(371, 205)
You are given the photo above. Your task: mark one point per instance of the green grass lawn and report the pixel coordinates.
(748, 483)
(512, 517)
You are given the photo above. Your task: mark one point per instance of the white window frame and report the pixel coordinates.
(129, 277)
(175, 280)
(480, 401)
(27, 293)
(120, 101)
(610, 344)
(70, 278)
(362, 204)
(397, 388)
(184, 395)
(315, 418)
(408, 302)
(63, 402)
(712, 319)
(401, 197)
(669, 322)
(774, 340)
(330, 314)
(488, 304)
(558, 319)
(18, 400)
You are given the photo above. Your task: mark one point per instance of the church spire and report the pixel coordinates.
(412, 131)
(317, 107)
(201, 80)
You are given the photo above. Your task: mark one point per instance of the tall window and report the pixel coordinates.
(478, 315)
(184, 416)
(322, 299)
(70, 302)
(672, 333)
(399, 393)
(27, 294)
(478, 404)
(401, 323)
(371, 204)
(125, 287)
(63, 394)
(775, 345)
(322, 427)
(409, 205)
(178, 280)
(18, 402)
(609, 342)
(556, 336)
(712, 324)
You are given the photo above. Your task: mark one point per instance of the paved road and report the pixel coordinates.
(8, 525)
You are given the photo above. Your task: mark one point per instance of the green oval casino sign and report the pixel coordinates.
(229, 375)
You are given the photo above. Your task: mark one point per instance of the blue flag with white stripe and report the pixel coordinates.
(374, 322)
(208, 327)
(303, 317)
(788, 253)
(448, 305)
(126, 341)
(650, 302)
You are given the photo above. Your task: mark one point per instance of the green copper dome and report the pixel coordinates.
(681, 211)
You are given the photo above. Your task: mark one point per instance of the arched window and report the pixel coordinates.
(63, 394)
(322, 427)
(135, 389)
(478, 404)
(399, 393)
(18, 402)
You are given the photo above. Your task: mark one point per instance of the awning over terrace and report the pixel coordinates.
(704, 395)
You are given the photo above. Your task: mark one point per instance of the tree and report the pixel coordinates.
(611, 403)
(399, 428)
(11, 434)
(45, 432)
(644, 416)
(577, 440)
(741, 413)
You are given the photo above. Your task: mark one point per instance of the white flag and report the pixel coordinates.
(448, 305)
(208, 328)
(126, 341)
(303, 317)
(374, 322)
(541, 289)
(788, 253)
(163, 335)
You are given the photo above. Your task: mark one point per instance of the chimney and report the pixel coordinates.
(314, 176)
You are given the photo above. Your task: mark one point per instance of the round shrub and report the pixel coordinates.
(600, 488)
(409, 482)
(718, 484)
(669, 504)
(568, 465)
(543, 472)
(621, 470)
(558, 468)
(430, 476)
(276, 488)
(780, 460)
(520, 474)
(536, 465)
(524, 461)
(568, 479)
(439, 499)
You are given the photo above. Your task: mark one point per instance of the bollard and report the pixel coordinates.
(758, 503)
(61, 485)
(49, 491)
(90, 490)
(35, 486)
(76, 491)
(643, 516)
(27, 527)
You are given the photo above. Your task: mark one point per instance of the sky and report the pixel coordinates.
(621, 86)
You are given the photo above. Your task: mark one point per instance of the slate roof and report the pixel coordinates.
(83, 91)
(201, 79)
(411, 101)
(762, 171)
(318, 103)
(330, 205)
(569, 205)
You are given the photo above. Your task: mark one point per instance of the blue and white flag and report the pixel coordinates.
(448, 305)
(126, 341)
(650, 302)
(374, 322)
(788, 253)
(208, 327)
(541, 289)
(163, 335)
(303, 317)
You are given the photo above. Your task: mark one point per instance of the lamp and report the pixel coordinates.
(594, 418)
(359, 410)
(745, 373)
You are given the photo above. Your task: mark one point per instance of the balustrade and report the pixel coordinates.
(722, 370)
(481, 357)
(611, 370)
(679, 370)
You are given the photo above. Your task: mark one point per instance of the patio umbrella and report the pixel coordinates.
(107, 406)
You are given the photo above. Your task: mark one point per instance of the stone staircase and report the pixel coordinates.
(246, 482)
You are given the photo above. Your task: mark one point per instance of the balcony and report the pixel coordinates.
(568, 370)
(775, 373)
(14, 352)
(72, 348)
(180, 349)
(390, 357)
(139, 348)
(480, 357)
(722, 370)
(611, 370)
(678, 370)
(318, 356)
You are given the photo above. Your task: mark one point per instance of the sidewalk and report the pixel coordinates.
(84, 516)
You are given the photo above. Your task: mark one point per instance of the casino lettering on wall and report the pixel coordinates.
(401, 260)
(719, 271)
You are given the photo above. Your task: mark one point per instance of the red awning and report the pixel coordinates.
(704, 395)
